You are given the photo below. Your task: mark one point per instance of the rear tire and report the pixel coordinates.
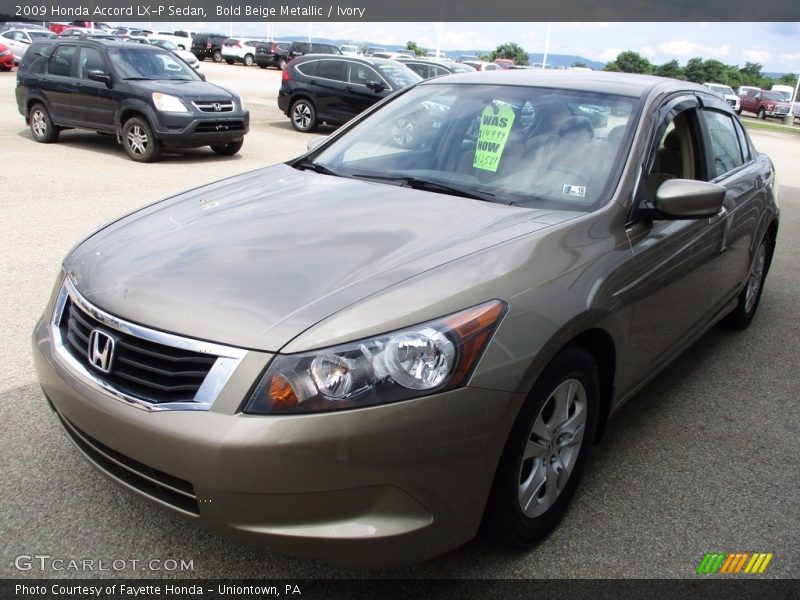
(750, 296)
(262, 66)
(545, 452)
(41, 124)
(282, 64)
(227, 149)
(216, 56)
(139, 142)
(230, 61)
(303, 115)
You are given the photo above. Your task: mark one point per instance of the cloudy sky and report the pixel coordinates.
(774, 45)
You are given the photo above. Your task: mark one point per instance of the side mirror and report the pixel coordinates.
(101, 76)
(315, 141)
(686, 199)
(201, 75)
(376, 86)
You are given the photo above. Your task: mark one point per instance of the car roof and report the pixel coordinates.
(621, 84)
(363, 59)
(99, 41)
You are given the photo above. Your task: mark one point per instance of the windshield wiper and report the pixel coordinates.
(139, 78)
(305, 165)
(433, 186)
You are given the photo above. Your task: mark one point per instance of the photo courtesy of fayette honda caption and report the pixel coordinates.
(370, 353)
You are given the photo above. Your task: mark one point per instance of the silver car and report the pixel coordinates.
(18, 40)
(367, 354)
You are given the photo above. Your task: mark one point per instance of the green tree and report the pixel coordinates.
(579, 64)
(788, 79)
(510, 50)
(751, 74)
(416, 49)
(632, 62)
(670, 69)
(612, 66)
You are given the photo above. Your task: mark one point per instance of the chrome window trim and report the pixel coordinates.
(228, 358)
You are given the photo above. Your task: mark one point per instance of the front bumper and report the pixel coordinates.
(373, 487)
(193, 129)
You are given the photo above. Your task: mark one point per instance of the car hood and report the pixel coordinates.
(254, 260)
(189, 90)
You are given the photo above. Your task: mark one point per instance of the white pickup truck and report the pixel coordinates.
(787, 92)
(182, 39)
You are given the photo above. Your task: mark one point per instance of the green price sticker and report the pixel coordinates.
(495, 126)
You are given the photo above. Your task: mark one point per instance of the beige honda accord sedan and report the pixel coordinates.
(419, 329)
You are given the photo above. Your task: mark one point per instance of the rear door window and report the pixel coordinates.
(331, 69)
(61, 61)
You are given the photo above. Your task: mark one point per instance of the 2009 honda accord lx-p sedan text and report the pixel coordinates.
(369, 353)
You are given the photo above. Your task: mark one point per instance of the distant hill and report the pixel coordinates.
(553, 60)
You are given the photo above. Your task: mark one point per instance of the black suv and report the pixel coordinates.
(272, 54)
(208, 45)
(325, 89)
(144, 95)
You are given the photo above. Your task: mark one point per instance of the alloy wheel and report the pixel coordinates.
(39, 123)
(301, 115)
(137, 140)
(553, 447)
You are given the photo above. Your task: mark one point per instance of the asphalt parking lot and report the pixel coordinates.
(706, 458)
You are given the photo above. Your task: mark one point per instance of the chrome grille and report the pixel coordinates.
(212, 106)
(143, 367)
(151, 371)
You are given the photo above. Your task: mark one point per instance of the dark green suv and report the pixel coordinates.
(146, 96)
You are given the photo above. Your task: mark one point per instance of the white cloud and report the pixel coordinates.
(757, 55)
(686, 49)
(609, 54)
(648, 51)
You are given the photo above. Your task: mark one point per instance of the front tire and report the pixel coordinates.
(750, 296)
(545, 452)
(282, 64)
(762, 114)
(230, 61)
(303, 116)
(216, 56)
(227, 149)
(248, 60)
(41, 124)
(139, 141)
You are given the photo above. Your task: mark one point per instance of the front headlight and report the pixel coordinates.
(242, 105)
(431, 357)
(167, 103)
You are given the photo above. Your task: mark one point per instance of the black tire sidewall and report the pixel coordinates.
(504, 521)
(153, 147)
(227, 149)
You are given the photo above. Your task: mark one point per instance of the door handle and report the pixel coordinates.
(723, 213)
(759, 182)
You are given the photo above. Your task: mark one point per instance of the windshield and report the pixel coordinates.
(150, 63)
(528, 146)
(722, 89)
(786, 96)
(772, 96)
(164, 44)
(397, 74)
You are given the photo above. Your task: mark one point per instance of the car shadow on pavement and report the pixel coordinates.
(107, 144)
